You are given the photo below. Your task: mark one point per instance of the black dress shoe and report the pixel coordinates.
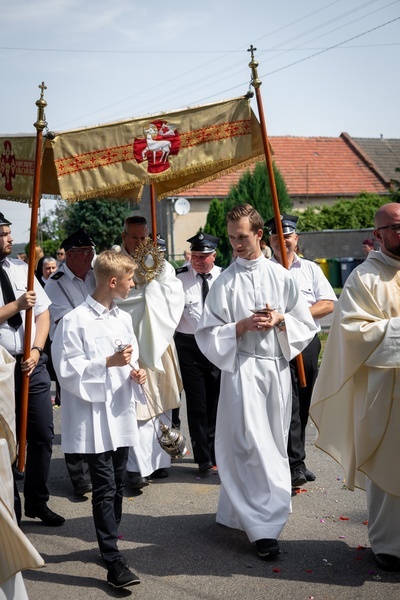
(119, 575)
(310, 475)
(387, 562)
(267, 548)
(206, 465)
(136, 481)
(298, 478)
(159, 474)
(45, 514)
(81, 490)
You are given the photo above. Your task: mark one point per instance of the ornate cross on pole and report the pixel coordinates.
(256, 83)
(40, 125)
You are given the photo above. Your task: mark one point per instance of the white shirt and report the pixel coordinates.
(192, 287)
(67, 292)
(97, 403)
(17, 271)
(312, 282)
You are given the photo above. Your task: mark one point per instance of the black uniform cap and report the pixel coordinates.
(79, 239)
(3, 220)
(288, 224)
(203, 242)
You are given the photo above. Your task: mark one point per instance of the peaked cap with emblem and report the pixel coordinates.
(79, 239)
(288, 224)
(203, 242)
(3, 220)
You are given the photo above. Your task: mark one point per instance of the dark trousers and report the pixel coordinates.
(107, 471)
(78, 470)
(201, 381)
(301, 398)
(39, 435)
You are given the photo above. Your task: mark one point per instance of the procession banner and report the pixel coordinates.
(17, 162)
(173, 151)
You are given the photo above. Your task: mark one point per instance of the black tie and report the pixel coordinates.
(8, 295)
(205, 288)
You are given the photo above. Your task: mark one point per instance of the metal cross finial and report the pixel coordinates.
(42, 87)
(41, 104)
(253, 64)
(252, 50)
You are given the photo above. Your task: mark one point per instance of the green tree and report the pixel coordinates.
(103, 220)
(395, 191)
(252, 188)
(343, 214)
(52, 228)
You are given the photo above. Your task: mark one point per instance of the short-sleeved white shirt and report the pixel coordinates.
(192, 287)
(312, 282)
(66, 292)
(17, 271)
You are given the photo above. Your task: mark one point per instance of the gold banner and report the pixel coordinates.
(17, 165)
(174, 151)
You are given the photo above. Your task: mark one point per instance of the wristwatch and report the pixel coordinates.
(281, 325)
(38, 348)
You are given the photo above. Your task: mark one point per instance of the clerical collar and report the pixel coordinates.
(250, 264)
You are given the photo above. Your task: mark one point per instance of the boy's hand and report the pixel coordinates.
(120, 359)
(138, 376)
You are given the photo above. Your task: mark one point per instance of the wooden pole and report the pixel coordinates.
(40, 125)
(153, 214)
(256, 83)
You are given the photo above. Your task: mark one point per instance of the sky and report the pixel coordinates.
(326, 66)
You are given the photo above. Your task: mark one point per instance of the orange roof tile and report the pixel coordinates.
(311, 166)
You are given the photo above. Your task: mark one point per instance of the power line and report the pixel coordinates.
(331, 47)
(222, 73)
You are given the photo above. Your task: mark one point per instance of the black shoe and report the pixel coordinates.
(46, 515)
(310, 475)
(159, 474)
(267, 548)
(387, 562)
(136, 481)
(119, 575)
(298, 478)
(83, 489)
(205, 466)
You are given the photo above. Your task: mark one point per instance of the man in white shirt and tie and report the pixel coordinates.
(201, 379)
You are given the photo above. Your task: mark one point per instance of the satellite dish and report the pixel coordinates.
(182, 206)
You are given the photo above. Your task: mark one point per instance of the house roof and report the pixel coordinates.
(311, 167)
(382, 154)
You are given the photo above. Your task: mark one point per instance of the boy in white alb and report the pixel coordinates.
(99, 390)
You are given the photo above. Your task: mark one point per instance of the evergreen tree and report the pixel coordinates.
(252, 188)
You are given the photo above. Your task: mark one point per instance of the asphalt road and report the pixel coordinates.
(170, 539)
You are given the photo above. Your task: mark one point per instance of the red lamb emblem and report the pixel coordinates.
(8, 165)
(160, 142)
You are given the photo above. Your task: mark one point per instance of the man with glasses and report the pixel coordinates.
(356, 399)
(67, 289)
(60, 256)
